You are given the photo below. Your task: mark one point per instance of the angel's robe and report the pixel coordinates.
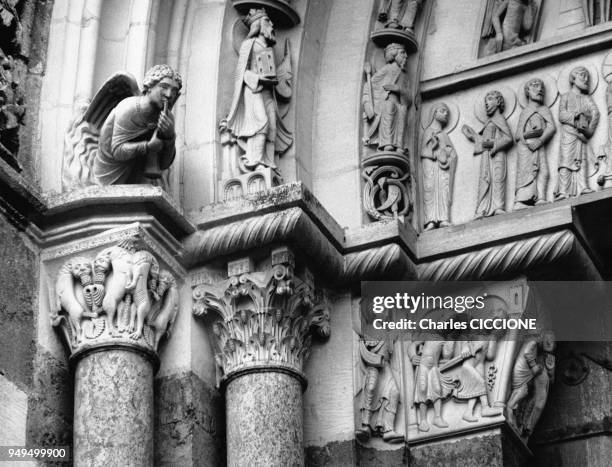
(123, 149)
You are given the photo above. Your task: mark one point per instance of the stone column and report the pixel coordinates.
(261, 342)
(113, 406)
(112, 311)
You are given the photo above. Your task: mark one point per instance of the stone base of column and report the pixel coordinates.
(264, 419)
(113, 407)
(498, 447)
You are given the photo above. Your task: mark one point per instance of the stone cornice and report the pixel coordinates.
(291, 215)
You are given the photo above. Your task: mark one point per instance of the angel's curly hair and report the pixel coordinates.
(156, 74)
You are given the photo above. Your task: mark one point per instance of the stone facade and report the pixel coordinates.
(183, 245)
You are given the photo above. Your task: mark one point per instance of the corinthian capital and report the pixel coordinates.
(266, 318)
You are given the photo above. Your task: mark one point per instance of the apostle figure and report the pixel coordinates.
(533, 374)
(399, 14)
(380, 392)
(439, 160)
(137, 138)
(535, 129)
(579, 116)
(385, 102)
(492, 142)
(253, 117)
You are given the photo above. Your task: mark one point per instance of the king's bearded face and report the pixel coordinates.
(267, 30)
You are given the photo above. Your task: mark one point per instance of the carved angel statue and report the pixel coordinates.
(254, 121)
(123, 135)
(509, 24)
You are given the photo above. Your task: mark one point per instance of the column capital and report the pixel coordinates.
(120, 297)
(266, 317)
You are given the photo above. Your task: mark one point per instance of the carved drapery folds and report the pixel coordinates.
(253, 134)
(492, 143)
(385, 157)
(119, 296)
(439, 164)
(266, 318)
(578, 118)
(509, 24)
(536, 127)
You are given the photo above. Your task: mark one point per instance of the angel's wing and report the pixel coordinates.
(114, 90)
(81, 140)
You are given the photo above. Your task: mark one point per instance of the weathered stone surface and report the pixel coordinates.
(13, 414)
(495, 449)
(18, 276)
(50, 403)
(264, 420)
(189, 422)
(367, 457)
(579, 433)
(113, 411)
(331, 454)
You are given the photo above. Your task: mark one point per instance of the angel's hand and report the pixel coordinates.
(165, 125)
(155, 144)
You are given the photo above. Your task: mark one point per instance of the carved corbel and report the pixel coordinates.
(265, 318)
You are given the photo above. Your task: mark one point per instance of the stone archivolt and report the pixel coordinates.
(120, 297)
(267, 317)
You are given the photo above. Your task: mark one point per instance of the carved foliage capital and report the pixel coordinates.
(265, 318)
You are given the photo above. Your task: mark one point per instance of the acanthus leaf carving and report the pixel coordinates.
(265, 318)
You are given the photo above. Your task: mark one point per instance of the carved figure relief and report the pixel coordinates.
(470, 378)
(439, 162)
(430, 385)
(122, 137)
(399, 14)
(579, 117)
(535, 129)
(253, 131)
(492, 143)
(532, 375)
(509, 24)
(124, 284)
(596, 11)
(379, 392)
(604, 178)
(385, 102)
